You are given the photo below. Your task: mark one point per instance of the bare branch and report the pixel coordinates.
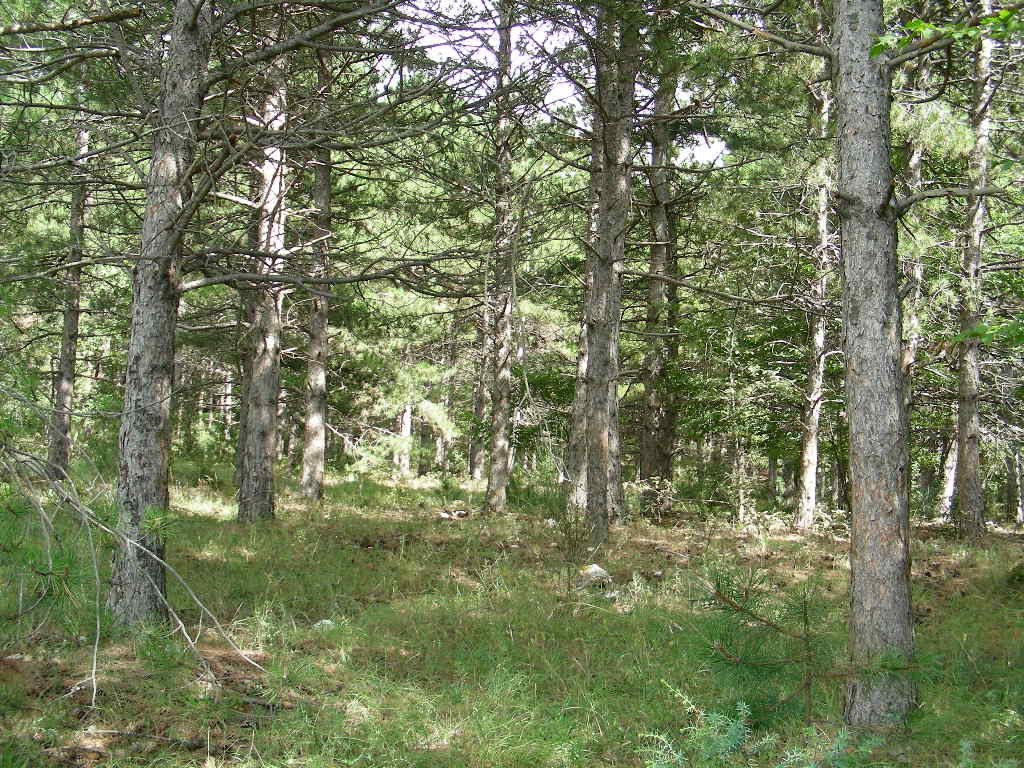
(902, 206)
(25, 28)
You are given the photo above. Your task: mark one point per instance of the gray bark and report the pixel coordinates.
(575, 480)
(617, 60)
(402, 455)
(137, 578)
(503, 294)
(947, 491)
(880, 620)
(814, 389)
(259, 457)
(657, 437)
(970, 518)
(1014, 508)
(314, 449)
(480, 390)
(59, 454)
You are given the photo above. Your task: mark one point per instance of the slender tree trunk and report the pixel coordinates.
(424, 455)
(1013, 500)
(772, 479)
(618, 58)
(402, 456)
(443, 439)
(657, 437)
(814, 389)
(503, 293)
(256, 489)
(970, 519)
(137, 578)
(575, 480)
(314, 449)
(59, 455)
(480, 389)
(880, 621)
(948, 490)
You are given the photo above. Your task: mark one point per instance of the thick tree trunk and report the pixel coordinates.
(59, 454)
(970, 518)
(314, 449)
(814, 389)
(880, 621)
(503, 292)
(657, 436)
(137, 577)
(617, 57)
(948, 490)
(256, 489)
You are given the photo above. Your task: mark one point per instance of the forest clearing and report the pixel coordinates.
(498, 383)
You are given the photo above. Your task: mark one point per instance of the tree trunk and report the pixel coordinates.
(880, 621)
(256, 489)
(948, 490)
(1013, 500)
(807, 482)
(59, 454)
(314, 449)
(617, 60)
(503, 293)
(574, 481)
(772, 479)
(657, 437)
(480, 390)
(970, 519)
(402, 456)
(137, 576)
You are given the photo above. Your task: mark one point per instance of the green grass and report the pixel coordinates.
(464, 643)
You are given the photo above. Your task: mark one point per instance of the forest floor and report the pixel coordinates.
(380, 629)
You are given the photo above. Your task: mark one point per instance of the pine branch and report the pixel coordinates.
(764, 34)
(902, 206)
(25, 28)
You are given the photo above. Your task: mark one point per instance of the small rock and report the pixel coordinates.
(324, 624)
(550, 522)
(591, 575)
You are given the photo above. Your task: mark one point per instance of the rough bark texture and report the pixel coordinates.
(314, 449)
(59, 454)
(657, 437)
(259, 457)
(503, 294)
(137, 578)
(970, 518)
(617, 58)
(807, 481)
(880, 622)
(575, 476)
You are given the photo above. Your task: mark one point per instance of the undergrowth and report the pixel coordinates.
(370, 630)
